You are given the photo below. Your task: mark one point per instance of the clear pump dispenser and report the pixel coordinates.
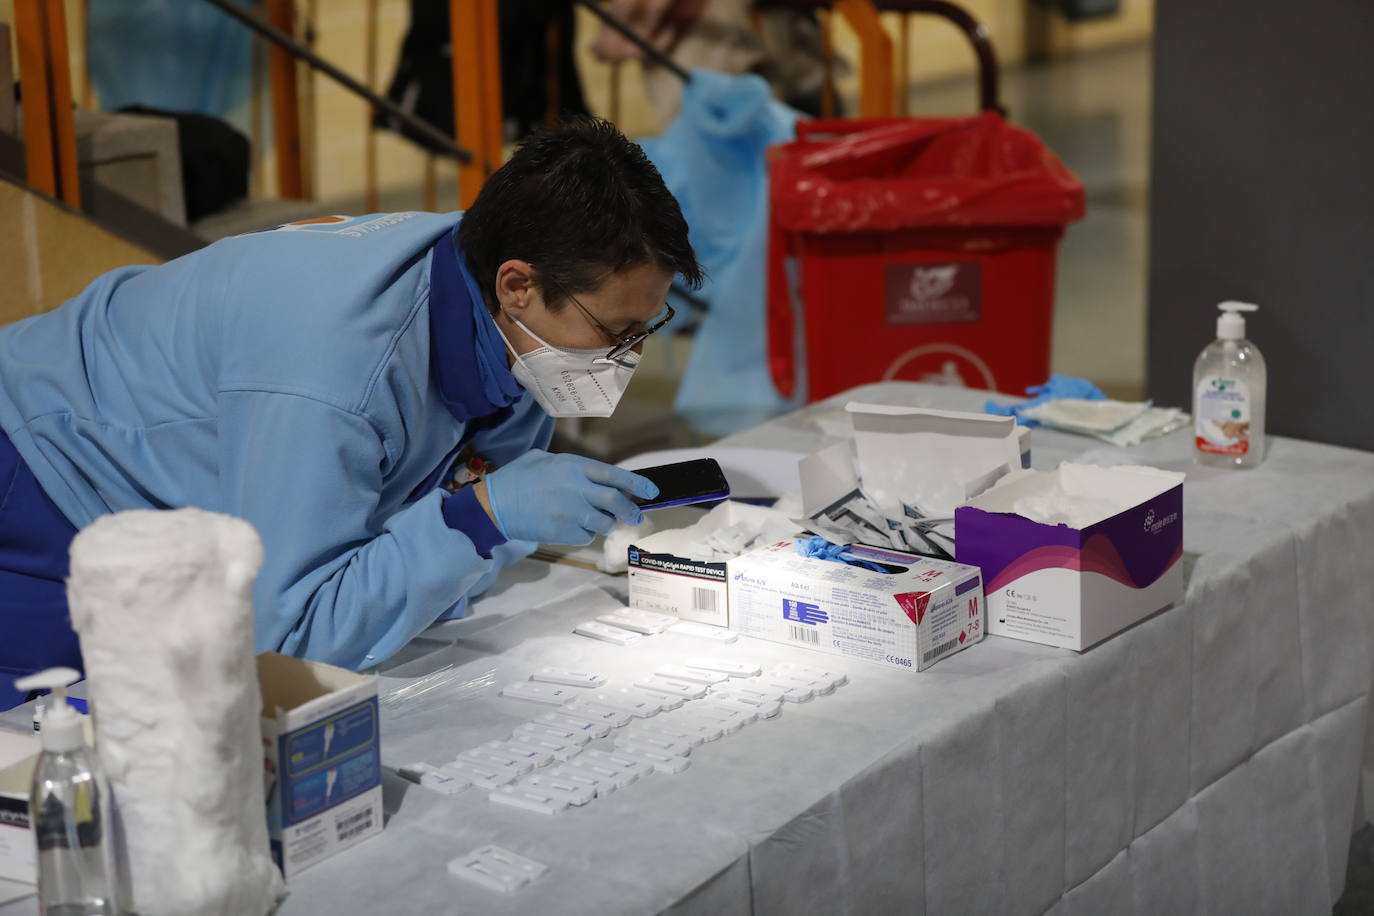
(69, 808)
(1229, 388)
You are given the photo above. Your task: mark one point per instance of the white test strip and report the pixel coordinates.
(734, 668)
(791, 669)
(600, 712)
(709, 729)
(635, 702)
(703, 631)
(613, 760)
(518, 766)
(663, 745)
(669, 764)
(818, 688)
(765, 709)
(753, 690)
(549, 694)
(568, 678)
(484, 776)
(534, 755)
(443, 780)
(618, 777)
(572, 791)
(528, 800)
(558, 750)
(729, 720)
(601, 786)
(691, 675)
(483, 874)
(646, 622)
(496, 869)
(573, 719)
(690, 732)
(791, 691)
(616, 636)
(750, 711)
(557, 733)
(672, 688)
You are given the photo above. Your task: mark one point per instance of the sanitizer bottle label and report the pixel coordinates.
(1223, 416)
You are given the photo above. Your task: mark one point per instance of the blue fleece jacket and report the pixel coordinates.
(316, 380)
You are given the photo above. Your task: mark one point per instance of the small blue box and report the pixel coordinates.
(322, 747)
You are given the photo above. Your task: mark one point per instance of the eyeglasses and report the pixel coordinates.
(624, 342)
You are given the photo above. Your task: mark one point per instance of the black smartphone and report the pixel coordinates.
(697, 481)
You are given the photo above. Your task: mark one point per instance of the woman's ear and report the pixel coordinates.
(515, 287)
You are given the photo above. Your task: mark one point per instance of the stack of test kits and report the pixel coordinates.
(600, 737)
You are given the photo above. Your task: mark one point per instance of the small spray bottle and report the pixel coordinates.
(69, 808)
(1229, 382)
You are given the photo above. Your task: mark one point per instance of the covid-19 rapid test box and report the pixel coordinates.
(917, 612)
(1074, 585)
(323, 756)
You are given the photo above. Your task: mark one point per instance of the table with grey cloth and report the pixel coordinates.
(1207, 760)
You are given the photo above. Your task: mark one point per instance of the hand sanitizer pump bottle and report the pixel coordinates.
(69, 809)
(1229, 395)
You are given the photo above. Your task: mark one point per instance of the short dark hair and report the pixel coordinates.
(580, 202)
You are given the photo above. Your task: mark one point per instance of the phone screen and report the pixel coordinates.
(683, 483)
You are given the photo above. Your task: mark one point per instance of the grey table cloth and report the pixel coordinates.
(1207, 760)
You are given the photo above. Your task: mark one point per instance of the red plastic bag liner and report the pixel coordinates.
(853, 176)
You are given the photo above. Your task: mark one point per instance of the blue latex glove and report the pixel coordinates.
(818, 548)
(563, 499)
(1059, 386)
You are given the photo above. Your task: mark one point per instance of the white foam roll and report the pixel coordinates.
(162, 602)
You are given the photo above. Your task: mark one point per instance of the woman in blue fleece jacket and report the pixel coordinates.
(331, 381)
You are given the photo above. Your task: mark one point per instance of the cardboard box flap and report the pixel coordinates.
(293, 684)
(1076, 495)
(930, 458)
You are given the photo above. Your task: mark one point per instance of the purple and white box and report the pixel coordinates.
(1105, 553)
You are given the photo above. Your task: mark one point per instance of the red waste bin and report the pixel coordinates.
(918, 249)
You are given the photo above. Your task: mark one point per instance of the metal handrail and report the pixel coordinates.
(442, 141)
(988, 91)
(654, 54)
(973, 30)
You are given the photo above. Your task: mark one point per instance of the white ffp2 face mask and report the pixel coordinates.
(571, 383)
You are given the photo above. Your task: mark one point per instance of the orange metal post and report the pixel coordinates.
(286, 117)
(370, 135)
(827, 63)
(903, 64)
(875, 57)
(31, 36)
(63, 118)
(49, 125)
(476, 91)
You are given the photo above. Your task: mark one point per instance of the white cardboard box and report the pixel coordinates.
(686, 588)
(926, 610)
(1074, 587)
(665, 581)
(321, 738)
(18, 756)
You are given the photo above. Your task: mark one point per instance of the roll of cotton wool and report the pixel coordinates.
(162, 602)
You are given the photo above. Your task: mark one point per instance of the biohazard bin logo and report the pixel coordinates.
(934, 293)
(942, 364)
